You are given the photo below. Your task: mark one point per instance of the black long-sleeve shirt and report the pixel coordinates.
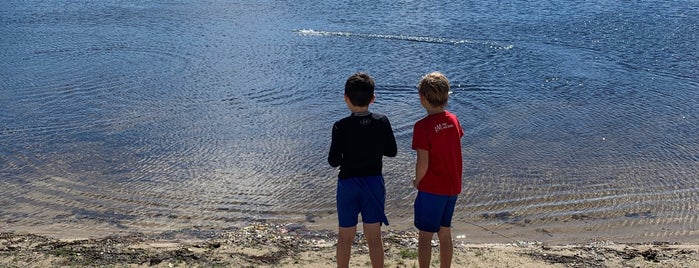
(359, 142)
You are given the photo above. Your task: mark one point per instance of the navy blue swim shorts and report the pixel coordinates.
(433, 211)
(361, 195)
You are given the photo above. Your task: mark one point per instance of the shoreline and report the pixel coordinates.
(298, 245)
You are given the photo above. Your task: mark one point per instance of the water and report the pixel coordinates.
(581, 119)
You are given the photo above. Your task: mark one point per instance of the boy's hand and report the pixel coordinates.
(416, 183)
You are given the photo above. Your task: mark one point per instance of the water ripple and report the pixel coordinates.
(423, 39)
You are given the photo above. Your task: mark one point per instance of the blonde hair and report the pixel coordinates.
(435, 88)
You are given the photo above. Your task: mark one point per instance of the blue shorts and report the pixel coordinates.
(365, 195)
(433, 211)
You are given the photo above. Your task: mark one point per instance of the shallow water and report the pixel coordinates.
(580, 119)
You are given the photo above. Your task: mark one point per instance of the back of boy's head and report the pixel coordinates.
(359, 89)
(435, 88)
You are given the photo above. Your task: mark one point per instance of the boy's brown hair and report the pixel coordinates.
(359, 88)
(435, 88)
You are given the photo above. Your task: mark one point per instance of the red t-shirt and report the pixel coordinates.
(440, 134)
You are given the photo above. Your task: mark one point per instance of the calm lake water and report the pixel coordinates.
(581, 120)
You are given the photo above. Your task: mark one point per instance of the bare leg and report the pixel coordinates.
(345, 238)
(424, 249)
(446, 247)
(372, 232)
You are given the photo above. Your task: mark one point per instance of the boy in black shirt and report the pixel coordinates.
(358, 145)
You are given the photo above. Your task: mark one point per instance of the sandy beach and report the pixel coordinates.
(297, 245)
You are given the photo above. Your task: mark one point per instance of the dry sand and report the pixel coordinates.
(295, 245)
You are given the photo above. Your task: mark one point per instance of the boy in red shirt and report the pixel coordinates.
(438, 169)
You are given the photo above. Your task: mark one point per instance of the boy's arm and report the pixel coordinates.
(392, 147)
(335, 155)
(421, 164)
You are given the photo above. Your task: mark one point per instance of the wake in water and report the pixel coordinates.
(437, 40)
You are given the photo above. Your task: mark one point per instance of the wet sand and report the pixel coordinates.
(298, 245)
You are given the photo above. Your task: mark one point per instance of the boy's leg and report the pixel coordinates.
(424, 249)
(427, 220)
(446, 247)
(372, 232)
(345, 238)
(347, 211)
